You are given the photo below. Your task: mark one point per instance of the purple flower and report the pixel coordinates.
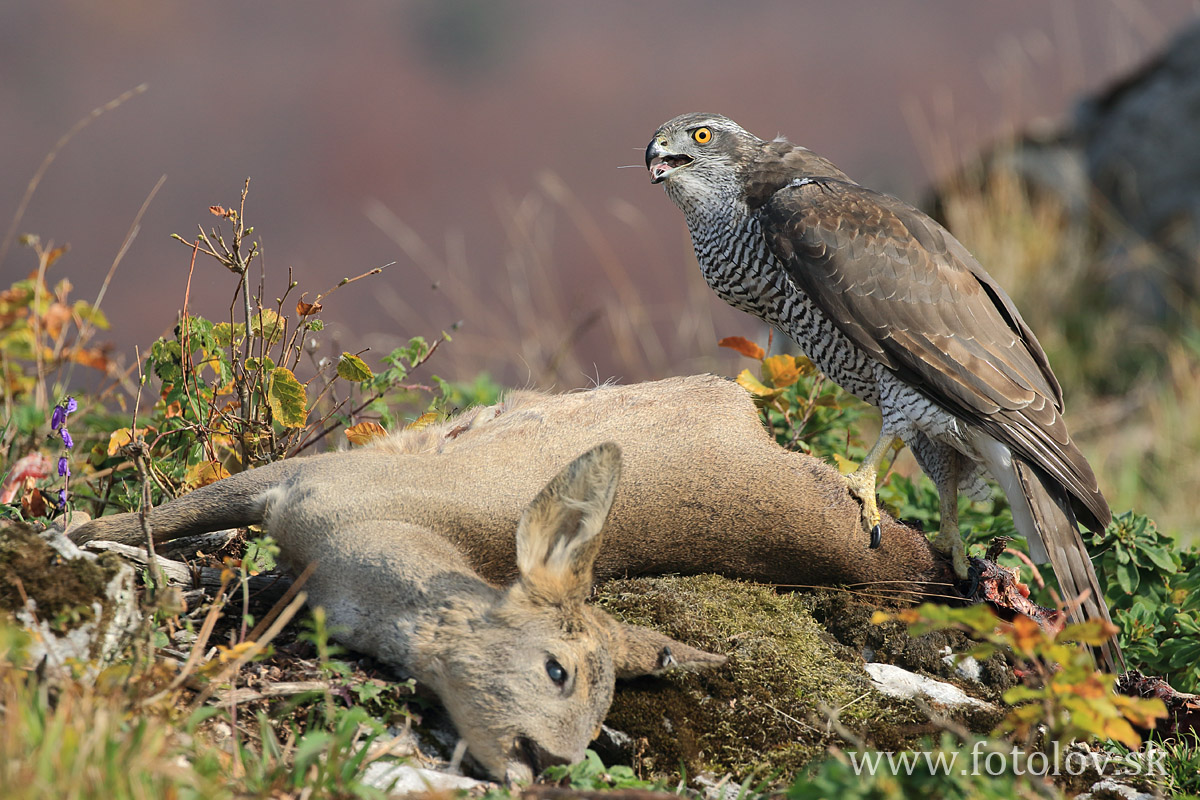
(62, 497)
(61, 412)
(64, 468)
(66, 437)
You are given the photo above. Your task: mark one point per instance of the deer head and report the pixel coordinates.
(528, 680)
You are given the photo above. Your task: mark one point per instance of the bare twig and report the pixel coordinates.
(138, 452)
(253, 650)
(49, 159)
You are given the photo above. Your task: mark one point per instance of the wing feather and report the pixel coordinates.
(903, 289)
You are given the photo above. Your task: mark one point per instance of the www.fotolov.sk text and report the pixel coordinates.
(985, 760)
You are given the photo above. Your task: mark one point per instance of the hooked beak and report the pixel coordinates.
(661, 163)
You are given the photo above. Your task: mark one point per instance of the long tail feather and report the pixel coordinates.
(1056, 525)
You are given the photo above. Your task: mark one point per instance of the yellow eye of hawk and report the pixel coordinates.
(702, 135)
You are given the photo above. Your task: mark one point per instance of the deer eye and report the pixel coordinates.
(556, 671)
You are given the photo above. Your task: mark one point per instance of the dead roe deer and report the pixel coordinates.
(414, 534)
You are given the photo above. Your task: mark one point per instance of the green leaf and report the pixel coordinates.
(254, 364)
(287, 398)
(1127, 577)
(166, 357)
(88, 313)
(1161, 558)
(354, 369)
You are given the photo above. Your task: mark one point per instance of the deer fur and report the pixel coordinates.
(414, 534)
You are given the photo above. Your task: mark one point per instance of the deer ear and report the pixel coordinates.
(559, 533)
(640, 651)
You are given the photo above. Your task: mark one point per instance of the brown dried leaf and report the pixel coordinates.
(33, 504)
(56, 254)
(304, 309)
(1027, 634)
(55, 318)
(743, 346)
(92, 357)
(364, 432)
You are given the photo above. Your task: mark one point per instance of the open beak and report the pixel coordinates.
(662, 163)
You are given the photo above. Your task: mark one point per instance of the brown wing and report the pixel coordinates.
(903, 289)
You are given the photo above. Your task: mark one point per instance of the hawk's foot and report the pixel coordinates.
(861, 484)
(949, 542)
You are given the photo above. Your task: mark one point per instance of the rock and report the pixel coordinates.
(399, 778)
(81, 609)
(1096, 217)
(898, 682)
(1138, 141)
(1109, 789)
(965, 667)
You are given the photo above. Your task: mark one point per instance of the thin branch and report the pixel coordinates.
(49, 159)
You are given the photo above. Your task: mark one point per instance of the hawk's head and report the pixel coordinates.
(698, 155)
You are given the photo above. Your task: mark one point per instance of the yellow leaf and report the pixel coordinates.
(780, 371)
(268, 325)
(754, 386)
(844, 465)
(287, 398)
(353, 368)
(232, 653)
(743, 346)
(804, 365)
(1141, 711)
(1027, 634)
(204, 473)
(422, 421)
(1120, 730)
(121, 437)
(1092, 632)
(364, 432)
(1092, 688)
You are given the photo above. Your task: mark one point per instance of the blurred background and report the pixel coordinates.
(491, 153)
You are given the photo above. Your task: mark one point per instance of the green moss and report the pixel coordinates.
(765, 712)
(757, 713)
(31, 568)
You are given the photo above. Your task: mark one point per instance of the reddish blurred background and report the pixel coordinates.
(477, 145)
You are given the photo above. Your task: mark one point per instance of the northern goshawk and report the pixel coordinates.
(889, 305)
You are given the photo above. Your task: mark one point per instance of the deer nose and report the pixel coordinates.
(536, 756)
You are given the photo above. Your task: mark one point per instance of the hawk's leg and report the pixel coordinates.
(949, 540)
(861, 484)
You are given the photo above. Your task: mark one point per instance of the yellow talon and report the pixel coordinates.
(949, 541)
(861, 484)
